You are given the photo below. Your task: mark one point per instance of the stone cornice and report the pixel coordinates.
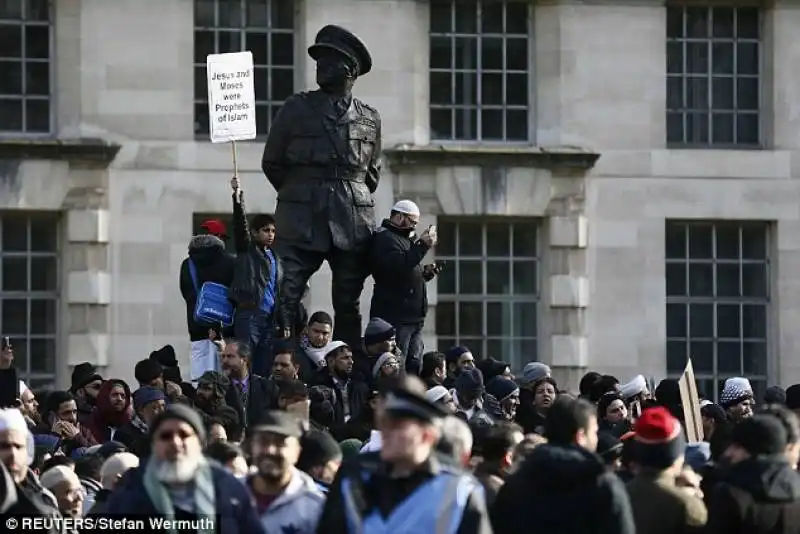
(559, 157)
(83, 150)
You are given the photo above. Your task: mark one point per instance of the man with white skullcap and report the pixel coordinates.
(399, 295)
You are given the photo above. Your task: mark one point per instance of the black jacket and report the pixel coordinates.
(357, 395)
(565, 490)
(262, 396)
(212, 264)
(399, 296)
(756, 496)
(253, 270)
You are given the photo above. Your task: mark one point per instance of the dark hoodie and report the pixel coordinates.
(212, 264)
(756, 496)
(105, 418)
(565, 490)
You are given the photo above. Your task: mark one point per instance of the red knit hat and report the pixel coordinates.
(659, 438)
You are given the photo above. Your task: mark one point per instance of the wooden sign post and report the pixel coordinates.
(691, 405)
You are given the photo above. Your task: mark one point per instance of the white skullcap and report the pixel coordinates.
(58, 474)
(407, 207)
(116, 466)
(634, 387)
(12, 419)
(23, 387)
(436, 393)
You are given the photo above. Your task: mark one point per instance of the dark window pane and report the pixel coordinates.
(229, 42)
(722, 93)
(201, 118)
(674, 22)
(524, 240)
(470, 239)
(441, 124)
(440, 53)
(754, 280)
(470, 319)
(498, 319)
(747, 23)
(697, 128)
(15, 318)
(729, 357)
(517, 125)
(723, 131)
(722, 22)
(492, 17)
(445, 319)
(525, 319)
(44, 274)
(674, 58)
(43, 313)
(466, 53)
(674, 93)
(447, 281)
(701, 241)
(466, 16)
(675, 128)
(441, 17)
(747, 93)
(44, 235)
(491, 53)
(446, 245)
(728, 280)
(38, 10)
(38, 116)
(747, 129)
(204, 13)
(445, 343)
(466, 124)
(517, 18)
(516, 90)
(282, 14)
(11, 41)
(722, 58)
(727, 242)
(42, 355)
(676, 279)
(230, 13)
(263, 118)
(676, 356)
(498, 239)
(15, 234)
(203, 45)
(200, 83)
(754, 242)
(754, 358)
(256, 42)
(441, 88)
(675, 240)
(15, 274)
(697, 22)
(754, 321)
(37, 79)
(697, 58)
(492, 89)
(11, 80)
(697, 93)
(282, 84)
(256, 13)
(260, 83)
(702, 355)
(492, 124)
(701, 321)
(525, 276)
(37, 42)
(470, 277)
(728, 321)
(747, 60)
(497, 278)
(676, 321)
(466, 88)
(282, 49)
(517, 54)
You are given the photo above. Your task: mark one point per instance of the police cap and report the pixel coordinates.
(343, 41)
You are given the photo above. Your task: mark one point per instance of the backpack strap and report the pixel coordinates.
(193, 274)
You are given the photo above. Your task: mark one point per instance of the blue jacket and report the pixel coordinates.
(236, 513)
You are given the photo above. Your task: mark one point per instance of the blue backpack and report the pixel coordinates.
(213, 306)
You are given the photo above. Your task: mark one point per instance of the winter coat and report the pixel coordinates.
(660, 507)
(106, 420)
(297, 509)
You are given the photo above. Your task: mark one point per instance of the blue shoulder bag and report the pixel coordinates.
(213, 306)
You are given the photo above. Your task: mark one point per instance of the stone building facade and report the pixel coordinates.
(621, 187)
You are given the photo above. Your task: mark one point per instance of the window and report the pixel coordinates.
(489, 288)
(25, 34)
(713, 68)
(266, 28)
(29, 289)
(479, 70)
(717, 277)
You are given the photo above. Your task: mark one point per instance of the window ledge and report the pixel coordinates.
(558, 157)
(81, 149)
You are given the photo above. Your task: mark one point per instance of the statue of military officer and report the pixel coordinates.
(322, 157)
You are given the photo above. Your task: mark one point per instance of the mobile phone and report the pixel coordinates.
(432, 229)
(6, 343)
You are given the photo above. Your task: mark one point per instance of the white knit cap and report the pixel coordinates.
(116, 466)
(12, 419)
(736, 389)
(436, 393)
(386, 356)
(634, 387)
(58, 474)
(407, 207)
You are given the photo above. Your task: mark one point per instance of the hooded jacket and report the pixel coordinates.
(564, 489)
(757, 496)
(106, 420)
(297, 509)
(213, 264)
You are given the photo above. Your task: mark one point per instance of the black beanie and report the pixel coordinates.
(760, 435)
(318, 448)
(147, 370)
(83, 374)
(165, 356)
(182, 413)
(55, 399)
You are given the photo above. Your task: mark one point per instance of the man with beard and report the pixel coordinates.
(85, 385)
(507, 394)
(112, 410)
(256, 393)
(148, 402)
(178, 482)
(287, 499)
(61, 419)
(29, 407)
(349, 395)
(66, 487)
(212, 401)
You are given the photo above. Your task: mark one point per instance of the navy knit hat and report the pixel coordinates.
(659, 438)
(469, 381)
(501, 388)
(775, 395)
(145, 395)
(793, 397)
(378, 331)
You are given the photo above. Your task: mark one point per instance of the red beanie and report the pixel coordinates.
(659, 438)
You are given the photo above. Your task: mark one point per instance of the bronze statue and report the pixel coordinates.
(322, 157)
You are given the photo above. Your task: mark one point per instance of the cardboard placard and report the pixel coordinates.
(231, 97)
(691, 405)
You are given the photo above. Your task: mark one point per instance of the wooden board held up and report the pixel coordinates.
(691, 405)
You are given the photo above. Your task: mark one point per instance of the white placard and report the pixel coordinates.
(231, 97)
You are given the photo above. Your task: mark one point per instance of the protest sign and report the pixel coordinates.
(691, 405)
(231, 97)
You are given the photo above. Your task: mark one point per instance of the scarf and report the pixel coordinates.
(139, 424)
(316, 355)
(205, 505)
